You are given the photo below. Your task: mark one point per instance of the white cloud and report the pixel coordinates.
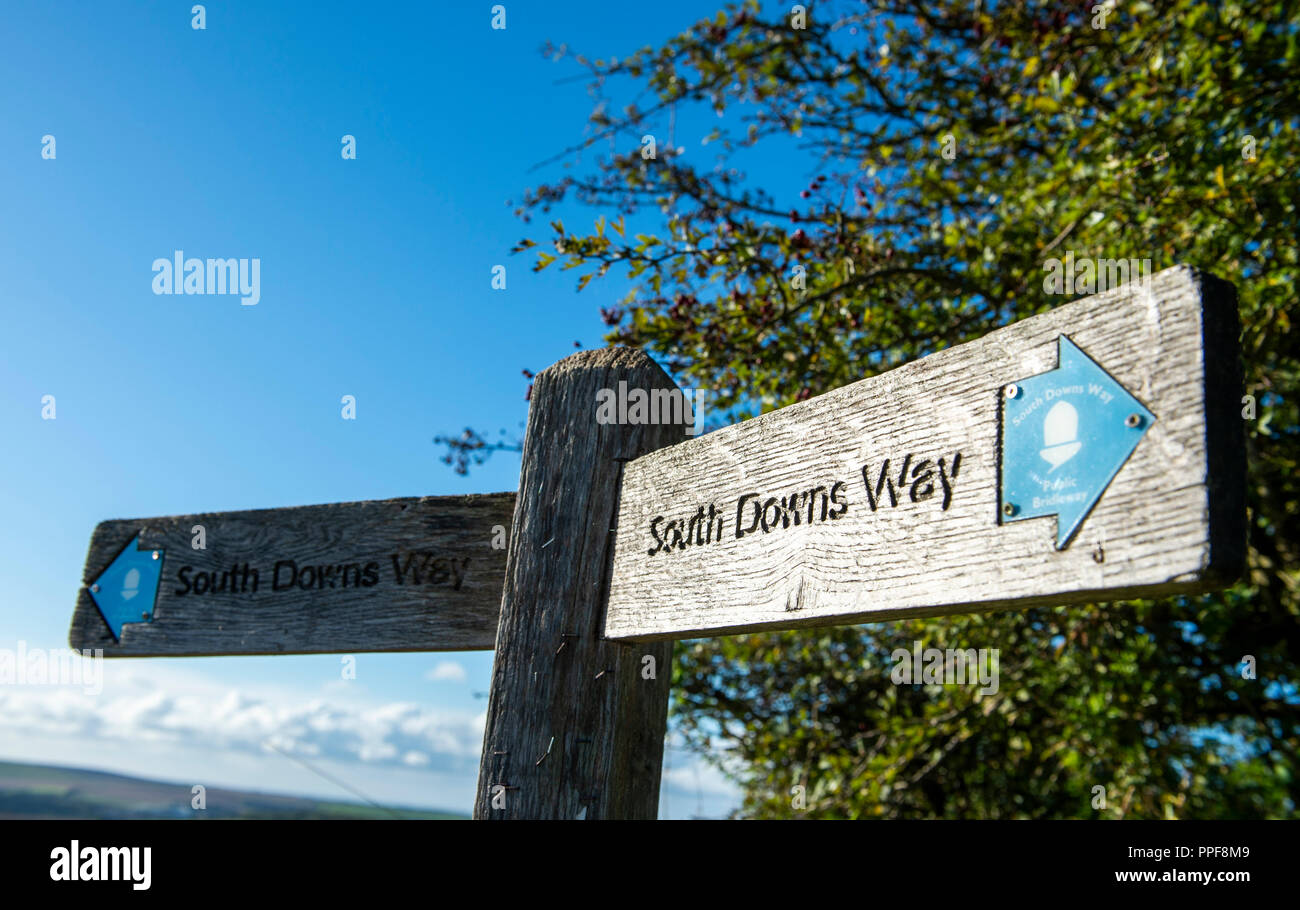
(447, 671)
(220, 718)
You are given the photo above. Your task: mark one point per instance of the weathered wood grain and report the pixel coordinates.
(574, 726)
(442, 594)
(1172, 520)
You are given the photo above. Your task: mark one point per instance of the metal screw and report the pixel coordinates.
(155, 554)
(1133, 420)
(144, 616)
(1008, 509)
(95, 588)
(1013, 391)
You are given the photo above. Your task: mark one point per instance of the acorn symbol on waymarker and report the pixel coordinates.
(131, 584)
(1060, 434)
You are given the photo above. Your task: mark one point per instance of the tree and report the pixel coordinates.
(946, 151)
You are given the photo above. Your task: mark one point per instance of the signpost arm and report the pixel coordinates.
(412, 574)
(575, 723)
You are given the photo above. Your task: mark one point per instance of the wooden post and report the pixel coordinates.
(575, 723)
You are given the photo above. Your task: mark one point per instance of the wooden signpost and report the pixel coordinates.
(1092, 452)
(889, 497)
(416, 574)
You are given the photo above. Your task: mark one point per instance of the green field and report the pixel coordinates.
(43, 791)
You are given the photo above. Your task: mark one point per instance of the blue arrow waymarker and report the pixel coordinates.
(1065, 435)
(126, 590)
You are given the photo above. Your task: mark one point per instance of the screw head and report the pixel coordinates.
(155, 554)
(144, 616)
(1009, 509)
(1133, 421)
(95, 588)
(1012, 391)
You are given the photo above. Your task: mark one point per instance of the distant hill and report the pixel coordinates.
(46, 791)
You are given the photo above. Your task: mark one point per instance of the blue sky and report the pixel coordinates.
(375, 282)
